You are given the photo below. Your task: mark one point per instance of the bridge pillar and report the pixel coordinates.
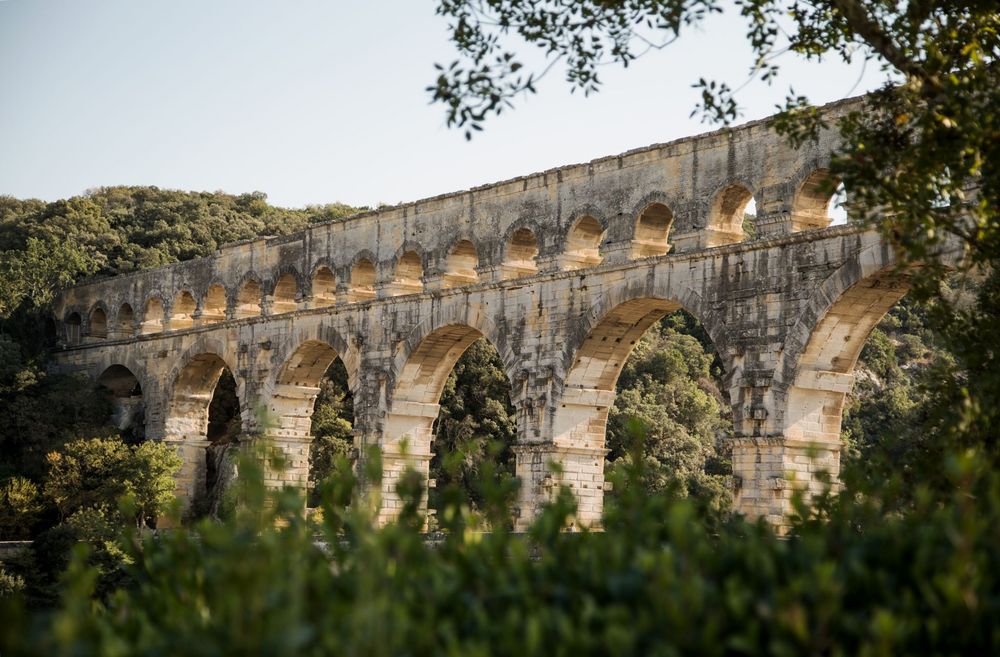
(407, 435)
(568, 450)
(770, 470)
(543, 467)
(190, 479)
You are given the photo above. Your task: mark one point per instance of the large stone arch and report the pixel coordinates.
(456, 313)
(821, 349)
(185, 416)
(125, 358)
(204, 345)
(290, 395)
(652, 288)
(421, 367)
(596, 350)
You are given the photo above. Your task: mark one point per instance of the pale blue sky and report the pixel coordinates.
(315, 101)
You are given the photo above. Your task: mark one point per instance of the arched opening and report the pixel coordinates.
(125, 324)
(125, 393)
(313, 412)
(583, 244)
(324, 288)
(825, 369)
(362, 281)
(182, 311)
(285, 292)
(648, 360)
(453, 393)
(824, 378)
(152, 317)
(213, 308)
(409, 275)
(811, 207)
(98, 323)
(460, 268)
(203, 419)
(521, 253)
(248, 300)
(727, 216)
(71, 326)
(651, 230)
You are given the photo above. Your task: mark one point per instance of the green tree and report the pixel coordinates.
(667, 385)
(31, 276)
(20, 507)
(96, 473)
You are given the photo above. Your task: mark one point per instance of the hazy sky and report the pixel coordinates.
(317, 101)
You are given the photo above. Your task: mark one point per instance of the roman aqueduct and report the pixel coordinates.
(562, 271)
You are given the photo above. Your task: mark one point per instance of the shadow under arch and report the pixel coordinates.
(127, 407)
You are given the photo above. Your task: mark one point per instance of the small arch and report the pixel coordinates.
(652, 228)
(324, 287)
(461, 266)
(811, 206)
(125, 322)
(182, 311)
(213, 308)
(362, 281)
(97, 323)
(152, 317)
(248, 300)
(409, 275)
(726, 215)
(522, 251)
(583, 244)
(286, 291)
(71, 326)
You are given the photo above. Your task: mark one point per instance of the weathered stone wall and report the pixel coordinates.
(562, 271)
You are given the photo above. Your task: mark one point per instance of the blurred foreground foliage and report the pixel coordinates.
(848, 579)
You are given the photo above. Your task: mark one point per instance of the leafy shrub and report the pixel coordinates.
(847, 580)
(94, 473)
(10, 583)
(20, 506)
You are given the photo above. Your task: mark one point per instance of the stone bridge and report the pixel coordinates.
(562, 271)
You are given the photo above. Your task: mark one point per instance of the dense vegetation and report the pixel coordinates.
(63, 465)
